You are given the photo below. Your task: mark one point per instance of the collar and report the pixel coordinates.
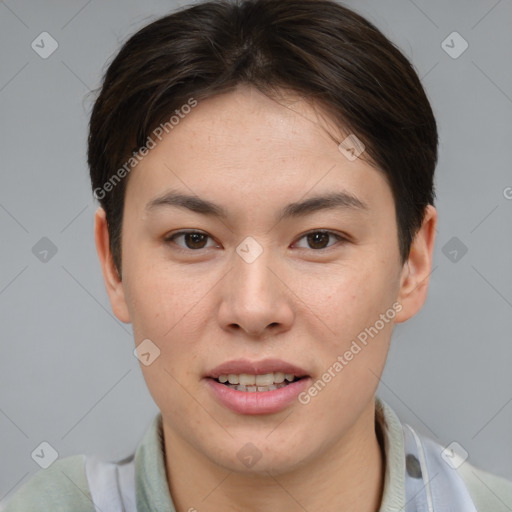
(152, 490)
(392, 442)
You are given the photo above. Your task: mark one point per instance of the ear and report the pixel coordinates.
(113, 282)
(416, 270)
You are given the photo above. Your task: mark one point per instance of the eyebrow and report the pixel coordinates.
(343, 200)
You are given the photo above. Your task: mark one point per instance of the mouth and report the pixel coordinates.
(257, 387)
(257, 383)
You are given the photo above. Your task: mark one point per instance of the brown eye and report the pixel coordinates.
(320, 240)
(192, 240)
(195, 240)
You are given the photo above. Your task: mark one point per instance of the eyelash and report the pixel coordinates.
(172, 237)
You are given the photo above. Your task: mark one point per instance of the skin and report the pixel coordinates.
(297, 301)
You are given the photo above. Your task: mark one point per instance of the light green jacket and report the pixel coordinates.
(63, 486)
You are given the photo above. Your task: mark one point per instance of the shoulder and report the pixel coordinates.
(490, 493)
(61, 487)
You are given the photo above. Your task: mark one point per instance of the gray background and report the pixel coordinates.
(68, 375)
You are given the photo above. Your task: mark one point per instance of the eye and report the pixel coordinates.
(193, 240)
(320, 239)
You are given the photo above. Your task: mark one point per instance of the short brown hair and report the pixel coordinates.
(317, 48)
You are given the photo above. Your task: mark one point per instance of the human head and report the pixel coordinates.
(256, 146)
(315, 48)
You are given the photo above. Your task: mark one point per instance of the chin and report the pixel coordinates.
(260, 457)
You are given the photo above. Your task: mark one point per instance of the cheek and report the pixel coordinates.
(171, 309)
(363, 307)
(166, 310)
(159, 298)
(352, 298)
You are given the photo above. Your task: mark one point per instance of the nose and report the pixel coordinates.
(255, 298)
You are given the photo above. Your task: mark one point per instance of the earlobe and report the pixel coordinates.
(418, 267)
(113, 283)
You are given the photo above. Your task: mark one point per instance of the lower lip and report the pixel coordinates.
(257, 402)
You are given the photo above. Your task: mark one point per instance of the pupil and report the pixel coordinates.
(316, 240)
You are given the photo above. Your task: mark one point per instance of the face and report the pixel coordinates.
(252, 246)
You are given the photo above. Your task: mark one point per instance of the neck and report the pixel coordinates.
(347, 476)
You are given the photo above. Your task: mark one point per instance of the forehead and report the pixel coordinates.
(247, 148)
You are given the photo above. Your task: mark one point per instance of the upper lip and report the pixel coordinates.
(239, 366)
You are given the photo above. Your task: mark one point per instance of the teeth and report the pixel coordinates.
(247, 380)
(278, 377)
(266, 388)
(252, 389)
(264, 380)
